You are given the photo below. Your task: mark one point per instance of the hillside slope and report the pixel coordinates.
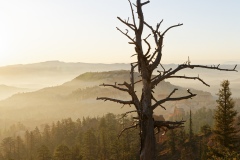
(77, 98)
(7, 91)
(51, 73)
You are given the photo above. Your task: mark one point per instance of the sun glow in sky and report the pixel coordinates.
(85, 31)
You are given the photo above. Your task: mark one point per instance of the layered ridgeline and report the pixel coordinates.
(77, 98)
(51, 73)
(7, 91)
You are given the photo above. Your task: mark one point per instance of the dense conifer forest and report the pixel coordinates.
(97, 138)
(89, 138)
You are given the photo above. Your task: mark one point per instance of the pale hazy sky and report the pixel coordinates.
(85, 30)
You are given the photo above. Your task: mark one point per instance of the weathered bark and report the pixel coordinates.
(148, 141)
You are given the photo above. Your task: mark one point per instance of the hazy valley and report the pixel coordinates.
(56, 90)
(52, 73)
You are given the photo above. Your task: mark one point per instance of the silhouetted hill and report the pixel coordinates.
(7, 91)
(77, 98)
(52, 73)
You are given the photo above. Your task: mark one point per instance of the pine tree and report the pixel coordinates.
(172, 141)
(44, 153)
(190, 147)
(103, 138)
(89, 144)
(19, 148)
(62, 153)
(46, 134)
(7, 147)
(224, 117)
(203, 147)
(75, 153)
(190, 126)
(205, 129)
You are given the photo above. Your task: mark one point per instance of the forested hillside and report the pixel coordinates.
(77, 98)
(88, 138)
(51, 73)
(97, 138)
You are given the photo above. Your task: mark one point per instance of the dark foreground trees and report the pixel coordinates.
(86, 139)
(226, 139)
(147, 62)
(95, 138)
(225, 116)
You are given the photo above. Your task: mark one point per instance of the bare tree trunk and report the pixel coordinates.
(148, 141)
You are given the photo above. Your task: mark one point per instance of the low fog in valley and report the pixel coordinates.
(34, 94)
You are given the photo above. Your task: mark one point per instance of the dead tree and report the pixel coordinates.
(147, 62)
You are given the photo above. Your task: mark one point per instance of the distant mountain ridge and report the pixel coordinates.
(77, 98)
(68, 68)
(51, 73)
(7, 91)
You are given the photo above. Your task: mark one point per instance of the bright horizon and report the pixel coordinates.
(74, 31)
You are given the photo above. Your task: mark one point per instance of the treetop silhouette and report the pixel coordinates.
(148, 61)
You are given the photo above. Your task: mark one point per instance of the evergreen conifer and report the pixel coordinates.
(224, 117)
